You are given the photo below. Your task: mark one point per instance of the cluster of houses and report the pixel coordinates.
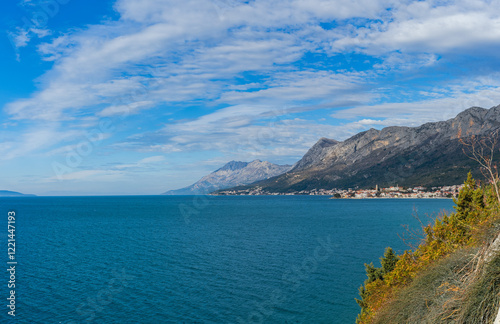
(400, 192)
(390, 192)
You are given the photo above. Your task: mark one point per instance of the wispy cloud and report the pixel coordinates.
(112, 172)
(143, 163)
(429, 27)
(441, 104)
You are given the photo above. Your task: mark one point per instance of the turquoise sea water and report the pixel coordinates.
(167, 259)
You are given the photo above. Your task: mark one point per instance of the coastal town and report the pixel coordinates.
(374, 193)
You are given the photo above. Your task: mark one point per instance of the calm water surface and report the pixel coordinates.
(167, 259)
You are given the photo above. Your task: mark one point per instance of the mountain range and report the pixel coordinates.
(234, 173)
(428, 155)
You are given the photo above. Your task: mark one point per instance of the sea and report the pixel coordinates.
(196, 259)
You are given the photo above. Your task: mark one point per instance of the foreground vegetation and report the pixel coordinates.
(451, 277)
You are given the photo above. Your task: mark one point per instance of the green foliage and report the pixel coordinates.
(389, 260)
(373, 273)
(475, 211)
(363, 294)
(470, 200)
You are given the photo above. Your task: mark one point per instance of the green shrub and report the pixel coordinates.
(407, 284)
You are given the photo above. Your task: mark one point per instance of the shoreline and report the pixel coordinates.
(331, 197)
(394, 198)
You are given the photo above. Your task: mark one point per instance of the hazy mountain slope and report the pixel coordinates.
(232, 174)
(7, 193)
(430, 154)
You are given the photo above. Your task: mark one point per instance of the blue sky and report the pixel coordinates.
(138, 97)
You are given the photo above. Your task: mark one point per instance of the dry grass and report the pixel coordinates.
(458, 289)
(428, 297)
(451, 277)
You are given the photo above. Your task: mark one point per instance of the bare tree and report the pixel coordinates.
(482, 150)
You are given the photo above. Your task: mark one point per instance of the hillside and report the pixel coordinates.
(428, 155)
(452, 276)
(234, 173)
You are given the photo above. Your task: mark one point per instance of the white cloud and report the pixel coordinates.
(371, 122)
(143, 163)
(80, 175)
(19, 38)
(429, 27)
(303, 86)
(152, 159)
(36, 139)
(206, 47)
(444, 107)
(125, 110)
(89, 176)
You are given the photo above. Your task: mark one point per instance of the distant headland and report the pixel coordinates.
(7, 193)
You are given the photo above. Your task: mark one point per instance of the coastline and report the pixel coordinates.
(395, 192)
(360, 198)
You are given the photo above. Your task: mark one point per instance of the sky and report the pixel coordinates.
(138, 97)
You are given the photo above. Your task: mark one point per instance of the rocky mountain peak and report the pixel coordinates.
(325, 142)
(258, 162)
(234, 173)
(476, 112)
(232, 166)
(315, 153)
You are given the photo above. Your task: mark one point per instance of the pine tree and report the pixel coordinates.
(373, 273)
(363, 294)
(464, 201)
(389, 260)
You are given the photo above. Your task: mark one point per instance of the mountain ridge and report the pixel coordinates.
(429, 154)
